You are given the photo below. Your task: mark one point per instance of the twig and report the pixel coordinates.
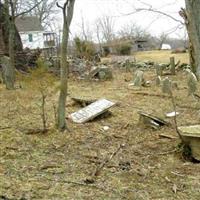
(102, 165)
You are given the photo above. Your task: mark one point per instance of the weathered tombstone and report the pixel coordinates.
(7, 75)
(191, 82)
(138, 78)
(152, 121)
(158, 80)
(166, 85)
(172, 66)
(159, 70)
(91, 111)
(101, 72)
(191, 135)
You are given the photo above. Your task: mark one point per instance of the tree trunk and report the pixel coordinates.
(61, 122)
(192, 20)
(10, 71)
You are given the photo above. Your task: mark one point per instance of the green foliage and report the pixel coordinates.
(84, 49)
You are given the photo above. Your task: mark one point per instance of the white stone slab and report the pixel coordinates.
(91, 111)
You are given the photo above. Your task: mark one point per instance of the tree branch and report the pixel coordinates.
(29, 10)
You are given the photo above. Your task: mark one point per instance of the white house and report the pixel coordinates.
(32, 33)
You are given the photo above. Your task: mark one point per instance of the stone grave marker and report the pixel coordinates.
(91, 111)
(191, 82)
(166, 85)
(138, 78)
(158, 80)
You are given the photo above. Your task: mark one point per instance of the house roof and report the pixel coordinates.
(28, 23)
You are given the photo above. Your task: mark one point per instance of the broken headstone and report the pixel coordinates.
(91, 111)
(151, 120)
(101, 72)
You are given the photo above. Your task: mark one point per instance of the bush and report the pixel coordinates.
(106, 50)
(84, 49)
(124, 48)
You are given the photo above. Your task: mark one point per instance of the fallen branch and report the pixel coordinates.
(167, 136)
(151, 94)
(102, 165)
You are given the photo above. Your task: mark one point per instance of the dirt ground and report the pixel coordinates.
(56, 165)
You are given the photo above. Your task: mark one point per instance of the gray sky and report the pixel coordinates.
(90, 10)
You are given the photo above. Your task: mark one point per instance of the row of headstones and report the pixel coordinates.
(166, 82)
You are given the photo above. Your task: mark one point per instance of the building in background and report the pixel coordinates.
(33, 35)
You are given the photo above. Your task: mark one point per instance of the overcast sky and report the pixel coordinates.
(90, 10)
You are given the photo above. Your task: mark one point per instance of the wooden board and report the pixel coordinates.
(91, 111)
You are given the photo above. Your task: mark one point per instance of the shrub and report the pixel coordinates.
(84, 49)
(106, 50)
(124, 48)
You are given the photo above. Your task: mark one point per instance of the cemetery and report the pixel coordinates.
(89, 111)
(150, 152)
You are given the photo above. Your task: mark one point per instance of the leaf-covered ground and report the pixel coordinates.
(56, 165)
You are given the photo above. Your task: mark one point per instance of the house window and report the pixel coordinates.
(30, 37)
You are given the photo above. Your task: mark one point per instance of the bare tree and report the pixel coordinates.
(191, 16)
(44, 10)
(67, 11)
(133, 31)
(10, 14)
(106, 25)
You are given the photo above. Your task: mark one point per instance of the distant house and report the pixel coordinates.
(33, 35)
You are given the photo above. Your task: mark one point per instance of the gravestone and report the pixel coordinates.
(138, 78)
(159, 70)
(172, 66)
(91, 111)
(158, 80)
(191, 82)
(166, 85)
(101, 72)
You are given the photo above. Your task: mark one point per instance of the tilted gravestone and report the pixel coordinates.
(138, 78)
(91, 111)
(101, 72)
(166, 85)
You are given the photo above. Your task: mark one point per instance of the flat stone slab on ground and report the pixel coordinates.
(191, 136)
(91, 111)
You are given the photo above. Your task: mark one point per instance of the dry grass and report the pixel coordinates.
(54, 165)
(161, 56)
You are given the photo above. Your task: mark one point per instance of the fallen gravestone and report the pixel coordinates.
(91, 111)
(151, 120)
(138, 78)
(101, 72)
